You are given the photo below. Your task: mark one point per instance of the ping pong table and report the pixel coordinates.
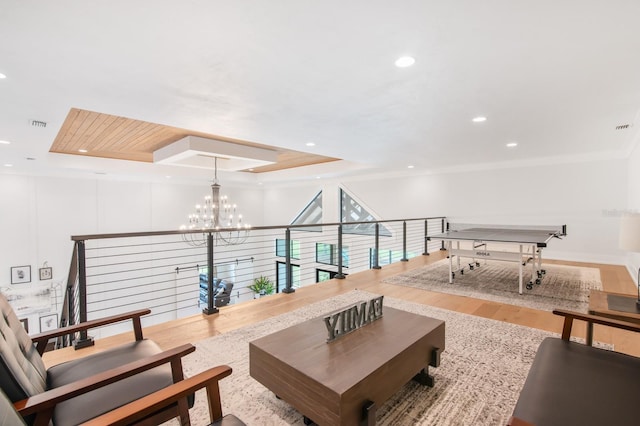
(529, 241)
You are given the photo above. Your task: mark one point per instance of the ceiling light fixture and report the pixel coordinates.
(410, 167)
(405, 61)
(215, 214)
(310, 144)
(512, 144)
(5, 143)
(84, 151)
(2, 76)
(8, 165)
(479, 119)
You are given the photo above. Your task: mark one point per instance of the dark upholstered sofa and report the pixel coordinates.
(570, 383)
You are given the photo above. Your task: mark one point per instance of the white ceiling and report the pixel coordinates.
(555, 76)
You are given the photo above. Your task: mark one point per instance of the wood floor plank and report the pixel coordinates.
(615, 278)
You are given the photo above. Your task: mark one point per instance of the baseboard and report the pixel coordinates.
(585, 257)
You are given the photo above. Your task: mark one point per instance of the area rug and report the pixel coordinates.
(561, 287)
(482, 370)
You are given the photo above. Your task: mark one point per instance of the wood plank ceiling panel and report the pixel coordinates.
(110, 136)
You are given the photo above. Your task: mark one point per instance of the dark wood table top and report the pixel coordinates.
(340, 364)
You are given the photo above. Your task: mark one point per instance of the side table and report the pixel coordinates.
(612, 305)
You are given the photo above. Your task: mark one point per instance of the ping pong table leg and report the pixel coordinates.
(450, 262)
(520, 270)
(534, 272)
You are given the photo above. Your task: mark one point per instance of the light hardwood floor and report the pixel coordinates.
(615, 278)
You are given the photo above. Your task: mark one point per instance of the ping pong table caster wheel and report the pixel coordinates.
(530, 286)
(461, 271)
(478, 264)
(471, 266)
(543, 271)
(453, 275)
(538, 281)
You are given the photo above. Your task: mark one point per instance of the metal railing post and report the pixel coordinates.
(442, 230)
(426, 238)
(210, 309)
(84, 340)
(287, 252)
(339, 275)
(404, 242)
(376, 248)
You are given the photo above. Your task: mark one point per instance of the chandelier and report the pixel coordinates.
(218, 214)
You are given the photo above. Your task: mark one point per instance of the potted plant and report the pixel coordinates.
(262, 286)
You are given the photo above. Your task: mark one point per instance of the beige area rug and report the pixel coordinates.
(482, 370)
(562, 287)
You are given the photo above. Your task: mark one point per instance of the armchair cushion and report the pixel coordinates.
(22, 372)
(571, 383)
(8, 415)
(81, 408)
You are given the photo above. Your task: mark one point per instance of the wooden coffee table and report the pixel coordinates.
(344, 381)
(612, 305)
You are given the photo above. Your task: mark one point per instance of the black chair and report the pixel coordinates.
(221, 291)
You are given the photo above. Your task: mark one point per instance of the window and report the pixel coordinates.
(311, 214)
(281, 246)
(281, 276)
(324, 275)
(328, 254)
(352, 211)
(386, 257)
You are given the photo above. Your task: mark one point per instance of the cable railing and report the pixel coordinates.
(180, 273)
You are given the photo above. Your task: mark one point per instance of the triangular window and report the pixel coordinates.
(311, 215)
(352, 211)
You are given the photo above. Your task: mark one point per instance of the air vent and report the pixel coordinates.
(37, 123)
(623, 126)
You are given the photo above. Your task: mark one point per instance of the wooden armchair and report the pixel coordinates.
(76, 391)
(138, 410)
(571, 383)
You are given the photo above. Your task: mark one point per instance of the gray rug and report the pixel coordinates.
(562, 287)
(482, 371)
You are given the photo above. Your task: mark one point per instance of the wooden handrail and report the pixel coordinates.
(43, 403)
(569, 316)
(40, 340)
(152, 403)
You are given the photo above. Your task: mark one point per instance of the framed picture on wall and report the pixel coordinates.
(20, 274)
(46, 273)
(48, 322)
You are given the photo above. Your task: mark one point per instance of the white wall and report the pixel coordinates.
(580, 195)
(38, 216)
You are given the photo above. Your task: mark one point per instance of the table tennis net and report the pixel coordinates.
(555, 230)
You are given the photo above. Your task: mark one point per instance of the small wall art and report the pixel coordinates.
(48, 322)
(46, 273)
(20, 274)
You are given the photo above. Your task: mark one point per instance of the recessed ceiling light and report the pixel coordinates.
(405, 61)
(168, 177)
(410, 167)
(83, 151)
(5, 143)
(8, 165)
(512, 144)
(2, 76)
(317, 177)
(479, 119)
(310, 144)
